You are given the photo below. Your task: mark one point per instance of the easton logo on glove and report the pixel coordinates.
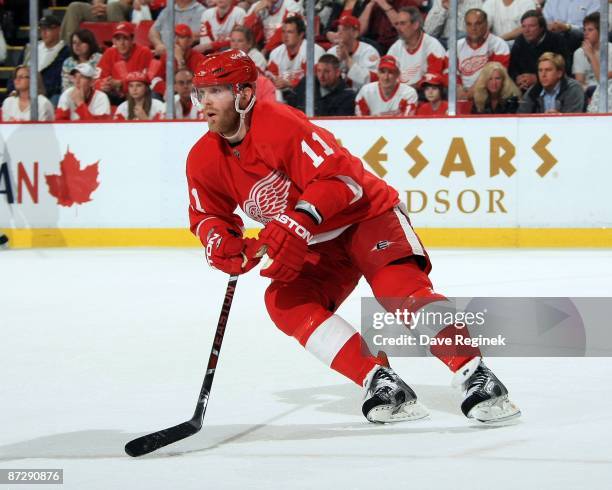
(294, 226)
(213, 242)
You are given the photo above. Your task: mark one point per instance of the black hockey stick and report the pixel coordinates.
(152, 442)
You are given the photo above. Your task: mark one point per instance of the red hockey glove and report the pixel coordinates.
(227, 251)
(285, 240)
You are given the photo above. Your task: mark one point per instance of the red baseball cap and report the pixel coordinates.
(183, 30)
(389, 62)
(136, 76)
(124, 29)
(349, 21)
(432, 79)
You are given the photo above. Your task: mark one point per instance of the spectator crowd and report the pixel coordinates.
(373, 57)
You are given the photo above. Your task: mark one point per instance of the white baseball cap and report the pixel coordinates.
(86, 70)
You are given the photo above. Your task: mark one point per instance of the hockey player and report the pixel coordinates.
(323, 217)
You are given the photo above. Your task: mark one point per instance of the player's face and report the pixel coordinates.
(432, 93)
(327, 75)
(123, 44)
(183, 42)
(137, 90)
(531, 29)
(548, 75)
(238, 41)
(22, 79)
(218, 106)
(591, 34)
(388, 78)
(495, 82)
(475, 27)
(291, 38)
(183, 84)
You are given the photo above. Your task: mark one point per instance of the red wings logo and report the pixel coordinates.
(471, 65)
(268, 198)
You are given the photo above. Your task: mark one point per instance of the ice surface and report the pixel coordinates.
(100, 346)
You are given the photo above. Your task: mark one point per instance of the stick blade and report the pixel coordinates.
(152, 442)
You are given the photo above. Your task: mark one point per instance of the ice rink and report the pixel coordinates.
(100, 346)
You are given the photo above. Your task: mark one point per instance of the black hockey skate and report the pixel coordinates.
(485, 396)
(389, 399)
(3, 241)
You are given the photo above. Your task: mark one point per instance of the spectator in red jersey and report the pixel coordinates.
(217, 24)
(358, 60)
(417, 52)
(495, 92)
(83, 102)
(432, 87)
(140, 104)
(124, 57)
(388, 96)
(242, 38)
(184, 57)
(476, 50)
(183, 105)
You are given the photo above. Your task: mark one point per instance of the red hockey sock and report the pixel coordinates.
(404, 285)
(354, 361)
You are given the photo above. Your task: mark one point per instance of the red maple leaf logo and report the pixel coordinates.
(73, 185)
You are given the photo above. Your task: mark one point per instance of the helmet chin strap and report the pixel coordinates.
(243, 113)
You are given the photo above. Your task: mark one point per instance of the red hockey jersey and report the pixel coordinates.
(284, 159)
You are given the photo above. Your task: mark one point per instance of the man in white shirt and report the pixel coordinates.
(388, 96)
(217, 24)
(417, 53)
(183, 105)
(83, 102)
(287, 63)
(476, 50)
(586, 66)
(358, 60)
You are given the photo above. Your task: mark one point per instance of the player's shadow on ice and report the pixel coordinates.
(343, 400)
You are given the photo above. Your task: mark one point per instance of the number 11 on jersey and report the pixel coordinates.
(316, 159)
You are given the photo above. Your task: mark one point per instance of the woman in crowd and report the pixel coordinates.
(140, 105)
(16, 107)
(83, 49)
(495, 92)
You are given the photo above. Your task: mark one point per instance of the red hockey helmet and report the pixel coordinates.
(232, 67)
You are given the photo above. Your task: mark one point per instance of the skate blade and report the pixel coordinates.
(383, 414)
(497, 411)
